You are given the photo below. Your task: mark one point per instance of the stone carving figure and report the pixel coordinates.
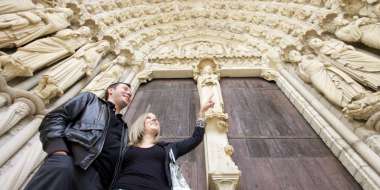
(350, 31)
(332, 4)
(367, 109)
(362, 67)
(365, 30)
(19, 28)
(208, 83)
(352, 6)
(339, 88)
(64, 74)
(370, 35)
(111, 74)
(12, 6)
(43, 52)
(291, 55)
(14, 113)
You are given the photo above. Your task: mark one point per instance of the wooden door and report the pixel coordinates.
(275, 148)
(175, 103)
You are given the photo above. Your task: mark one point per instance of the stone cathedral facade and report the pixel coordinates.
(324, 55)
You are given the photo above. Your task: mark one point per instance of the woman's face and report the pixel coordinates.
(152, 125)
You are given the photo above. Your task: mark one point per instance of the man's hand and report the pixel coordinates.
(60, 153)
(209, 104)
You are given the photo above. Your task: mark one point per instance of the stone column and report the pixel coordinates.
(222, 172)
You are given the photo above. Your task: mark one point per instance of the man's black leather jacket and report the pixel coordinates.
(78, 127)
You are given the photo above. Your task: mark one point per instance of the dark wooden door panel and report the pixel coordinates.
(175, 103)
(275, 148)
(248, 106)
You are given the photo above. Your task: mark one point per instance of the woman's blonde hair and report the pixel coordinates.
(136, 131)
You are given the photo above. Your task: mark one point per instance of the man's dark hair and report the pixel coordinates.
(113, 86)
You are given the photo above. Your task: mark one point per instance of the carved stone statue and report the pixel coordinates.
(364, 29)
(11, 6)
(16, 112)
(339, 88)
(367, 109)
(291, 55)
(43, 52)
(208, 85)
(370, 35)
(351, 31)
(206, 74)
(61, 76)
(352, 6)
(111, 74)
(17, 29)
(362, 67)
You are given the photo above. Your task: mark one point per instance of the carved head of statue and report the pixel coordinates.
(315, 43)
(103, 46)
(5, 60)
(92, 24)
(293, 56)
(272, 57)
(307, 67)
(207, 68)
(125, 57)
(352, 6)
(84, 31)
(350, 33)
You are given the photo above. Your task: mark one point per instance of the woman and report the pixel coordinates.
(146, 162)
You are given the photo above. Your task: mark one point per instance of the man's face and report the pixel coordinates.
(121, 95)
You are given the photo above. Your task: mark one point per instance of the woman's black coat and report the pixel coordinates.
(182, 147)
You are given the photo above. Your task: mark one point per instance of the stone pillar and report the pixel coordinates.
(222, 172)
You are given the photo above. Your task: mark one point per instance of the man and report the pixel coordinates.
(85, 139)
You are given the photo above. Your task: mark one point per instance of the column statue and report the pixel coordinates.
(18, 29)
